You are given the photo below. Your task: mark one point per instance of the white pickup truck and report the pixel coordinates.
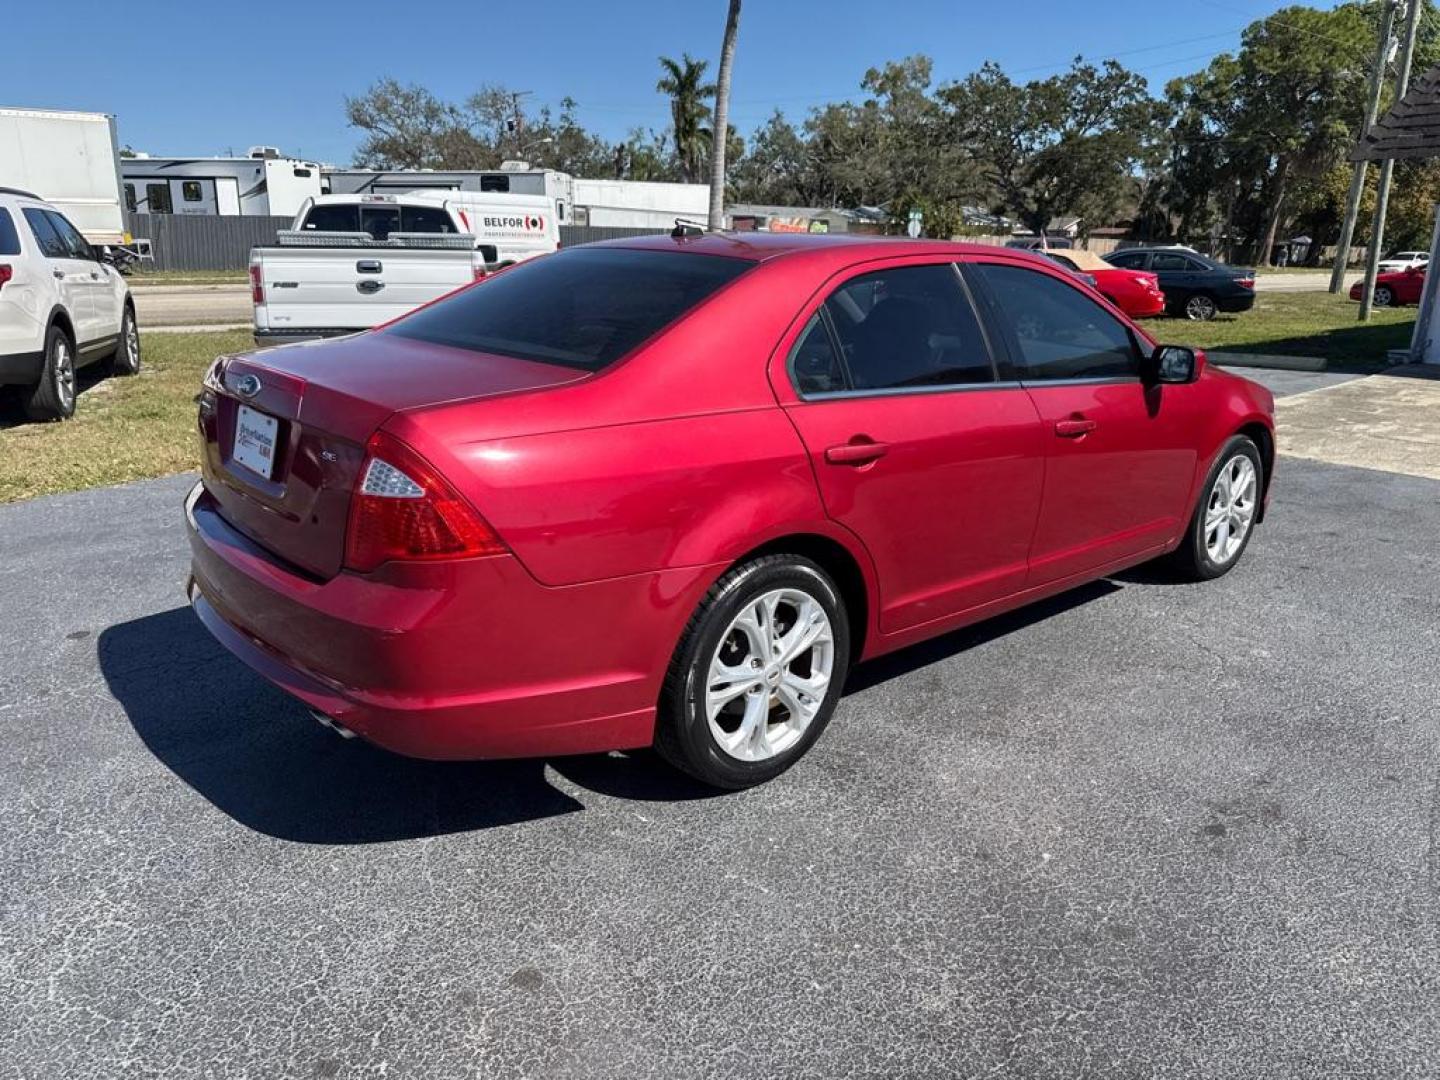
(351, 262)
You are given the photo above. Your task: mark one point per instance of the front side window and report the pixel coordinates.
(51, 246)
(583, 308)
(910, 326)
(130, 197)
(190, 191)
(157, 198)
(1056, 331)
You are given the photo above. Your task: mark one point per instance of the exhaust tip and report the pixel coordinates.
(333, 724)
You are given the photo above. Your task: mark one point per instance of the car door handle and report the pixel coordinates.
(856, 453)
(369, 288)
(1073, 429)
(58, 275)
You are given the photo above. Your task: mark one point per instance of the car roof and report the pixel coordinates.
(763, 246)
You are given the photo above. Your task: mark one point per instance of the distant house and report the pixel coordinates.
(752, 217)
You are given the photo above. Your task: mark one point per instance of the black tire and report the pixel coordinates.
(1193, 560)
(1384, 296)
(125, 360)
(1199, 307)
(53, 397)
(683, 734)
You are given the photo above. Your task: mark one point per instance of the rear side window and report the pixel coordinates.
(333, 218)
(51, 246)
(910, 326)
(1057, 331)
(425, 219)
(1172, 262)
(581, 308)
(9, 235)
(492, 182)
(75, 244)
(191, 191)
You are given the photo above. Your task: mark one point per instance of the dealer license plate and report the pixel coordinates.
(255, 436)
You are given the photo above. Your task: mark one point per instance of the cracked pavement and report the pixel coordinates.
(1144, 829)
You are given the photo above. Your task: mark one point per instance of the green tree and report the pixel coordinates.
(1067, 144)
(719, 148)
(684, 81)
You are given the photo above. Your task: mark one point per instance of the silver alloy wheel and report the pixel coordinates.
(1230, 509)
(769, 675)
(1200, 308)
(1383, 296)
(132, 344)
(64, 373)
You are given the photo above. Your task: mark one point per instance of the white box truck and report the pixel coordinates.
(70, 159)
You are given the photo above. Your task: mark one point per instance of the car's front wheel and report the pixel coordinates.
(1225, 516)
(757, 674)
(53, 397)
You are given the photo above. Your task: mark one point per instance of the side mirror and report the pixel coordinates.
(1173, 364)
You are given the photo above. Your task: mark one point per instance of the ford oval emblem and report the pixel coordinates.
(247, 386)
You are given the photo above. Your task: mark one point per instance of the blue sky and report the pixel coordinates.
(200, 79)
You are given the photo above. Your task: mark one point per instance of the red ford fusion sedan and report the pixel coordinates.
(665, 491)
(1135, 292)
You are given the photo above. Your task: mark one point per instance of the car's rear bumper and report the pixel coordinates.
(447, 660)
(1144, 305)
(1242, 302)
(21, 369)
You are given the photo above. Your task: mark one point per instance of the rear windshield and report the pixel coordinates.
(379, 220)
(9, 238)
(584, 308)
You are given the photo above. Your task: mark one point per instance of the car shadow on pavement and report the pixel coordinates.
(256, 754)
(896, 664)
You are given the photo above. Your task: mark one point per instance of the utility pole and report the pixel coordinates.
(517, 117)
(1357, 176)
(1382, 192)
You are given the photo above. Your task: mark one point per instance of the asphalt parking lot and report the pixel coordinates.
(1145, 829)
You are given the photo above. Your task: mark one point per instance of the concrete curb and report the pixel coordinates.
(1269, 360)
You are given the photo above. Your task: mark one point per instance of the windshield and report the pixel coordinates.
(584, 308)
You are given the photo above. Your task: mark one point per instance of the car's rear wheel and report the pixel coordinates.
(1384, 296)
(126, 358)
(1200, 307)
(53, 397)
(1225, 517)
(757, 674)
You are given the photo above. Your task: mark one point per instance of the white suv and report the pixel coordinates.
(61, 307)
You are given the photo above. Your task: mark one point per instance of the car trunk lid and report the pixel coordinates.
(303, 414)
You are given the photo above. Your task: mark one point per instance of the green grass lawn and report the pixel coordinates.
(123, 429)
(142, 278)
(1312, 324)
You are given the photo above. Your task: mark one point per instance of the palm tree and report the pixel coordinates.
(688, 111)
(722, 119)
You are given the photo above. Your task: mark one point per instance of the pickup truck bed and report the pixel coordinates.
(313, 285)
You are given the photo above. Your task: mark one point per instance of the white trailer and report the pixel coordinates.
(513, 178)
(639, 204)
(262, 184)
(69, 159)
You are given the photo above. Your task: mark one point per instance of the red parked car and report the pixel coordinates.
(1135, 292)
(665, 491)
(1399, 287)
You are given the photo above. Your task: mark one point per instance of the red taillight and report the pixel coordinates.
(1245, 282)
(404, 509)
(257, 287)
(6, 273)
